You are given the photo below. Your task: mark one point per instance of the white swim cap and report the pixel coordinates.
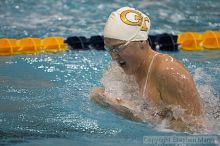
(127, 24)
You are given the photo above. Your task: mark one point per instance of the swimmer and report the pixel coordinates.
(163, 81)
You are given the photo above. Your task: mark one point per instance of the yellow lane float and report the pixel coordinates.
(31, 45)
(193, 41)
(8, 46)
(54, 44)
(190, 41)
(211, 40)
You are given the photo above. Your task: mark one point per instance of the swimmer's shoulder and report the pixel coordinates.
(166, 65)
(166, 62)
(167, 59)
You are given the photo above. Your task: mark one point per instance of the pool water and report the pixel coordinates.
(44, 98)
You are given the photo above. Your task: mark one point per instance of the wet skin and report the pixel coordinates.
(169, 83)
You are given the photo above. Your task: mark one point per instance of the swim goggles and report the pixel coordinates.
(117, 48)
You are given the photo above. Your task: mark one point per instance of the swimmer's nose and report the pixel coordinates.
(114, 55)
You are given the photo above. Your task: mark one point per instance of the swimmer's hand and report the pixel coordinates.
(117, 104)
(98, 96)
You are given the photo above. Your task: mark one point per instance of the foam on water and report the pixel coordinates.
(211, 103)
(118, 84)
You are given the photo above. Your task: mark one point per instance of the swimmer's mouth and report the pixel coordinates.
(122, 63)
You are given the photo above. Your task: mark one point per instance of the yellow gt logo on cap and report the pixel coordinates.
(138, 17)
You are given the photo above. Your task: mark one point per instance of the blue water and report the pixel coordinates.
(44, 99)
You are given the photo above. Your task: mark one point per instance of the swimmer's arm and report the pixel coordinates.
(98, 96)
(178, 88)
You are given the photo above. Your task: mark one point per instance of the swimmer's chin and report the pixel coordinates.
(127, 71)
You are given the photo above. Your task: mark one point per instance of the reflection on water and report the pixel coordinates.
(25, 83)
(208, 55)
(11, 106)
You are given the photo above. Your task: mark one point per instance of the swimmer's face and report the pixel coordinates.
(129, 56)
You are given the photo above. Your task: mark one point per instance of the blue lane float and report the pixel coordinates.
(165, 42)
(97, 42)
(77, 42)
(83, 43)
